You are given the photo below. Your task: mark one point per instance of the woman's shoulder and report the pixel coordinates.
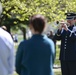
(49, 41)
(24, 42)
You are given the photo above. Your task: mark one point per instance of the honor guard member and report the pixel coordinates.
(67, 34)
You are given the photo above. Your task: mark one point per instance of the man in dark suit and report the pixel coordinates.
(67, 35)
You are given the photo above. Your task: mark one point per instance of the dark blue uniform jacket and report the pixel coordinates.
(68, 44)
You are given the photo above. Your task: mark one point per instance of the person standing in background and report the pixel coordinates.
(67, 35)
(36, 55)
(52, 36)
(15, 38)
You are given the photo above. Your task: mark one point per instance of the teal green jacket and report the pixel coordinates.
(35, 56)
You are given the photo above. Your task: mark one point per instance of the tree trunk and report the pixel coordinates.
(24, 33)
(8, 28)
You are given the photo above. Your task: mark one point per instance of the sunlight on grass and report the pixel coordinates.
(15, 73)
(58, 73)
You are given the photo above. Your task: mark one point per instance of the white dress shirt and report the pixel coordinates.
(6, 53)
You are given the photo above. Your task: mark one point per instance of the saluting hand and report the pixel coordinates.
(65, 27)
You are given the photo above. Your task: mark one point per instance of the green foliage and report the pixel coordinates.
(21, 10)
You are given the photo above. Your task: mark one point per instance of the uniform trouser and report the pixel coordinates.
(68, 67)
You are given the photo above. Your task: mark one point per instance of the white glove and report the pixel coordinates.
(74, 29)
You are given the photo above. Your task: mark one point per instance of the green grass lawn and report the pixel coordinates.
(57, 62)
(57, 73)
(15, 74)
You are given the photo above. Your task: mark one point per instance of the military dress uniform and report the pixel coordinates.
(68, 50)
(68, 44)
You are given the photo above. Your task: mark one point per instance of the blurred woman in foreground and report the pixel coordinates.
(36, 55)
